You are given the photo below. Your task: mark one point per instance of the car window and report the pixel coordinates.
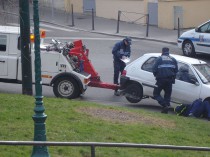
(147, 66)
(205, 28)
(3, 41)
(203, 71)
(185, 73)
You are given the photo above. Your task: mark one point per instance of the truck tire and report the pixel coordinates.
(66, 88)
(188, 49)
(134, 93)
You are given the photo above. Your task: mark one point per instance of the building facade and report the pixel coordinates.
(162, 13)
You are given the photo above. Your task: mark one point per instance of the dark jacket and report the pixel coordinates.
(165, 67)
(120, 49)
(198, 109)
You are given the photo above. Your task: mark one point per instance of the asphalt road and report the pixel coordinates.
(100, 47)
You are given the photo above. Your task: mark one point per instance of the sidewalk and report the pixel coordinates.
(84, 22)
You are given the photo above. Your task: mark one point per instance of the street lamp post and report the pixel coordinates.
(25, 47)
(39, 117)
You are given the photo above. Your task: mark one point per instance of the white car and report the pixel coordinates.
(137, 81)
(195, 40)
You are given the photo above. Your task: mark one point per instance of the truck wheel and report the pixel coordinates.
(188, 49)
(134, 93)
(66, 88)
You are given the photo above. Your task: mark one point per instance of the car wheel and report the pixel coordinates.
(134, 93)
(66, 88)
(188, 49)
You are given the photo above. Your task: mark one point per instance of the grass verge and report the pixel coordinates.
(78, 121)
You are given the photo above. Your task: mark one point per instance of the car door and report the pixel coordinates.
(185, 91)
(147, 77)
(203, 38)
(3, 55)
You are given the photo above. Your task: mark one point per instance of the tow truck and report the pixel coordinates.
(64, 66)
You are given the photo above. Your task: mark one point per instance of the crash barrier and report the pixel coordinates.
(92, 17)
(139, 19)
(93, 145)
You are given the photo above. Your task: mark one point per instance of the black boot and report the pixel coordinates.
(116, 93)
(165, 110)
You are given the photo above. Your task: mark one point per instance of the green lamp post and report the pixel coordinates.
(39, 117)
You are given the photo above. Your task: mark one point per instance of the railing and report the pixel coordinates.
(139, 18)
(93, 145)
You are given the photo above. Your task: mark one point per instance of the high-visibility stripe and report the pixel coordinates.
(166, 66)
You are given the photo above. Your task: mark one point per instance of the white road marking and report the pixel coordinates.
(87, 38)
(16, 24)
(48, 26)
(69, 30)
(57, 27)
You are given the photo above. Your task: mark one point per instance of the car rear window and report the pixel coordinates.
(147, 66)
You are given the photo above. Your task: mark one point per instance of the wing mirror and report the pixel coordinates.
(194, 81)
(197, 29)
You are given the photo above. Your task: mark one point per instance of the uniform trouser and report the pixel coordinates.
(166, 86)
(118, 68)
(197, 108)
(201, 109)
(206, 109)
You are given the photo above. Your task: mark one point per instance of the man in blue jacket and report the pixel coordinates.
(164, 70)
(121, 49)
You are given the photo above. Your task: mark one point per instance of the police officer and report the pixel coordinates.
(197, 109)
(121, 49)
(164, 70)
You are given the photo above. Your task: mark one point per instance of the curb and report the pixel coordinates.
(110, 34)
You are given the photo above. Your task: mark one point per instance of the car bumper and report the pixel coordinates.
(179, 43)
(123, 82)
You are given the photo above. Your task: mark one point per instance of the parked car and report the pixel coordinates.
(137, 81)
(195, 40)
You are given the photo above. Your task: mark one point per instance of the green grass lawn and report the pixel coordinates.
(79, 121)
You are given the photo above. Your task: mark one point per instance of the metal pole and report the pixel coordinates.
(52, 10)
(3, 5)
(92, 151)
(25, 47)
(147, 31)
(178, 28)
(118, 21)
(93, 28)
(72, 14)
(39, 117)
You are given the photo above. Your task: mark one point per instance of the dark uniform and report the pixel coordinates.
(120, 49)
(164, 70)
(197, 109)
